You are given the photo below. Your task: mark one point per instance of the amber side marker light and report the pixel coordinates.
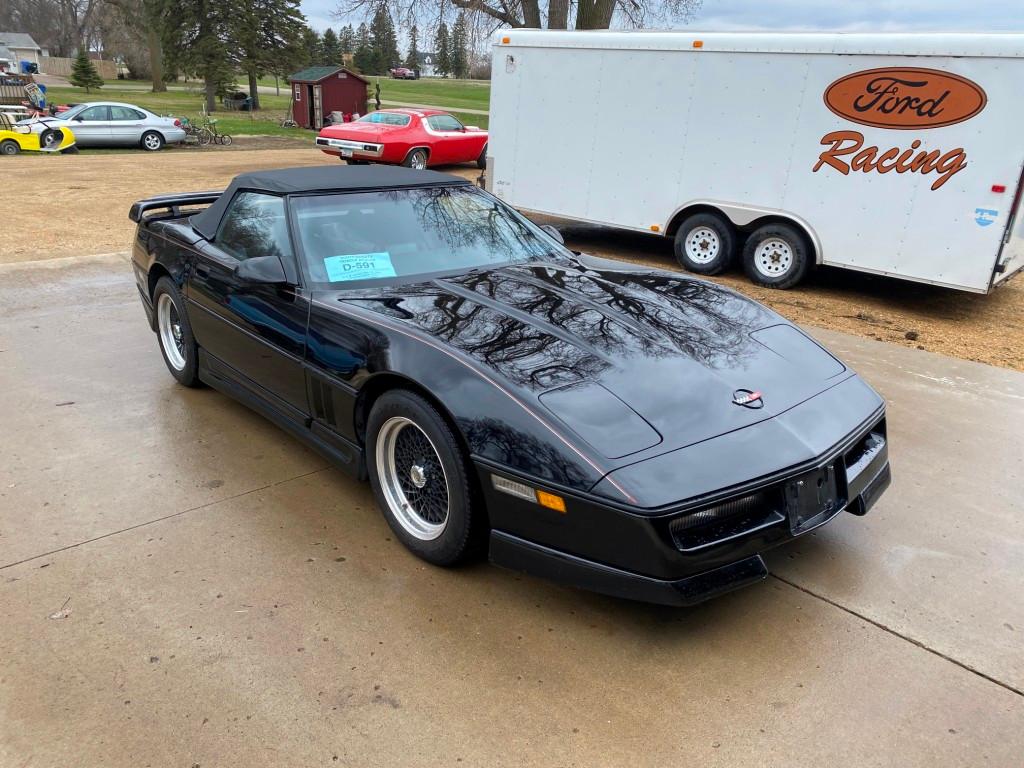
(655, 228)
(506, 40)
(528, 493)
(551, 501)
(698, 43)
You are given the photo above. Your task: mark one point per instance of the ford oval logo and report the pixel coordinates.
(748, 398)
(905, 98)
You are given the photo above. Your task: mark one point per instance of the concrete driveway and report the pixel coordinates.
(182, 584)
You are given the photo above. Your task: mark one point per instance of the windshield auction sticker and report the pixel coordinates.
(359, 266)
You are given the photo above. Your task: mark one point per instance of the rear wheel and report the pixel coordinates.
(225, 140)
(776, 256)
(705, 243)
(417, 159)
(9, 147)
(420, 478)
(152, 141)
(205, 136)
(174, 333)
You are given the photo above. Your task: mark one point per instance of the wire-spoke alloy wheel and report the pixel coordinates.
(773, 257)
(412, 478)
(702, 245)
(174, 333)
(423, 480)
(705, 243)
(169, 328)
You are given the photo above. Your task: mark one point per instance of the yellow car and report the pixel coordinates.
(41, 135)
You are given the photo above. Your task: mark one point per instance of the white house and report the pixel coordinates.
(425, 64)
(21, 47)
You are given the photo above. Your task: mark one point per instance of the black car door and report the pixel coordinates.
(253, 333)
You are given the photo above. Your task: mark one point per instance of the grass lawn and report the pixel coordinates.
(189, 103)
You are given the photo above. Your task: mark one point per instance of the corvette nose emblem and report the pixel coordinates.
(748, 398)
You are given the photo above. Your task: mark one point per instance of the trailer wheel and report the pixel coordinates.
(706, 244)
(776, 256)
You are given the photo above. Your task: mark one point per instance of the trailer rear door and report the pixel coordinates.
(1011, 256)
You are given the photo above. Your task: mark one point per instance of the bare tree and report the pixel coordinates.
(552, 14)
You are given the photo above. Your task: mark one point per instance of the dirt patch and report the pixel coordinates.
(77, 204)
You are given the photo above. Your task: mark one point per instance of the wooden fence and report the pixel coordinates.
(49, 65)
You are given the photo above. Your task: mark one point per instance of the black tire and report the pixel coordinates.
(355, 162)
(412, 160)
(705, 243)
(462, 522)
(187, 374)
(152, 141)
(9, 147)
(50, 138)
(72, 150)
(225, 140)
(777, 256)
(481, 162)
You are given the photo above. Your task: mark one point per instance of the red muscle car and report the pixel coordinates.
(415, 138)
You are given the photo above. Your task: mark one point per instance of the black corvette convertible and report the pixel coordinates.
(619, 428)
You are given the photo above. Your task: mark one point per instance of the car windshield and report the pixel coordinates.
(411, 233)
(384, 118)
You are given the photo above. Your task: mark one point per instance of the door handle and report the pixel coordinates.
(202, 272)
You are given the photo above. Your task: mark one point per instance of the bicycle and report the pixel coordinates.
(195, 134)
(210, 126)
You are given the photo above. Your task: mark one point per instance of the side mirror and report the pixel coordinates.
(555, 234)
(78, 118)
(262, 270)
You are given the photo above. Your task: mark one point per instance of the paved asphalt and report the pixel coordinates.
(182, 584)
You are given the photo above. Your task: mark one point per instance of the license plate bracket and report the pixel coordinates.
(346, 153)
(813, 498)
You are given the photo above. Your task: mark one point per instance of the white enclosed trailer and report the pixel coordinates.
(896, 154)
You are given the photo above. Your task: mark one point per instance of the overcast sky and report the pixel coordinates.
(847, 15)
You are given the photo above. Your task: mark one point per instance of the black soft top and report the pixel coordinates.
(345, 178)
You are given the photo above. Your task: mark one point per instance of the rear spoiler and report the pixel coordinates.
(173, 203)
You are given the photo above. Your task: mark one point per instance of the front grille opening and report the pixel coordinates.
(728, 520)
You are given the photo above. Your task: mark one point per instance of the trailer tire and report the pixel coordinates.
(776, 256)
(705, 243)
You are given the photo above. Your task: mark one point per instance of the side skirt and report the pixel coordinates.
(332, 446)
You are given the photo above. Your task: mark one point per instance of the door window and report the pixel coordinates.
(94, 114)
(255, 225)
(125, 113)
(444, 123)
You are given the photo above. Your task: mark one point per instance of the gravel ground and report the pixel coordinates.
(77, 204)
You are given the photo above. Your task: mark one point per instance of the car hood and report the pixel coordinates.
(634, 361)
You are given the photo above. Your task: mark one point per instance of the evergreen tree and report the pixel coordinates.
(347, 39)
(384, 40)
(83, 72)
(412, 60)
(311, 44)
(197, 41)
(331, 47)
(264, 34)
(363, 59)
(442, 53)
(457, 56)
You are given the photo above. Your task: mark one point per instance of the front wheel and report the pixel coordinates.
(776, 256)
(416, 159)
(706, 244)
(152, 141)
(419, 475)
(225, 140)
(174, 333)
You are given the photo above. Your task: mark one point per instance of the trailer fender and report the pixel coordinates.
(743, 216)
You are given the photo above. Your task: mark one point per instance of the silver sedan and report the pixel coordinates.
(110, 123)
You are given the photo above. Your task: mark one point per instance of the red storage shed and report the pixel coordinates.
(318, 91)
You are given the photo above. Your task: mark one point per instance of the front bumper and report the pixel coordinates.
(685, 556)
